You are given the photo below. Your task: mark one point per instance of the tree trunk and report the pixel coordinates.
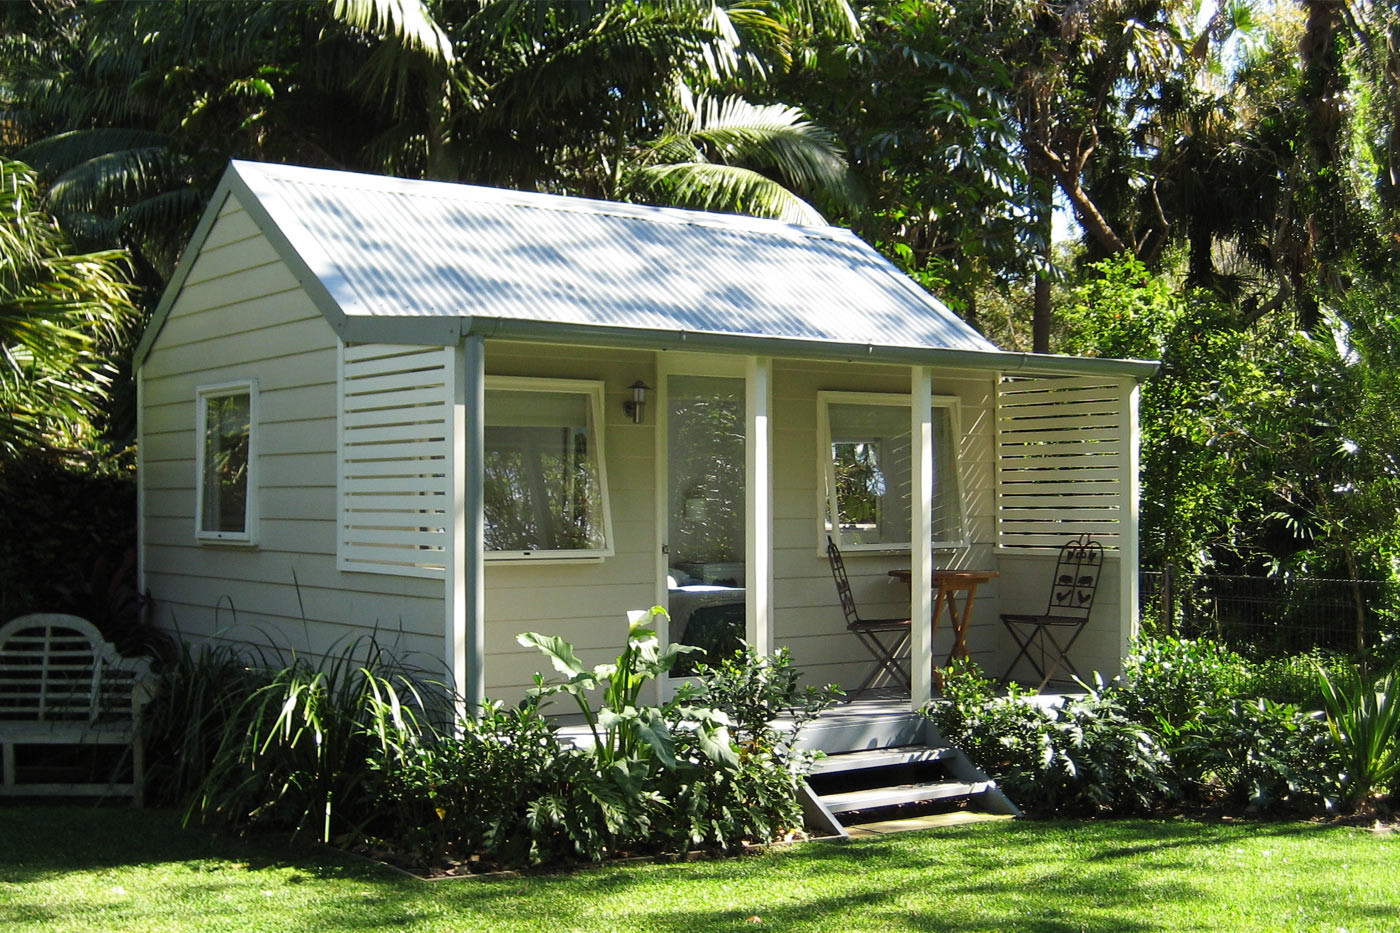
(1044, 181)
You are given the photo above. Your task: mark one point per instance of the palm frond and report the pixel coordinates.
(115, 178)
(712, 187)
(59, 311)
(407, 20)
(765, 137)
(59, 153)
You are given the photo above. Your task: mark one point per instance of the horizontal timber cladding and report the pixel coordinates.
(1063, 448)
(395, 464)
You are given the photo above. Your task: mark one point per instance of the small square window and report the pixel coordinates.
(867, 467)
(545, 491)
(226, 458)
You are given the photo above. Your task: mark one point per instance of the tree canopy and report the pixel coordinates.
(1228, 170)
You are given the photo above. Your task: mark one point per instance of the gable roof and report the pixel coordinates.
(420, 262)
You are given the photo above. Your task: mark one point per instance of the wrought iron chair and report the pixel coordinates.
(887, 640)
(1071, 598)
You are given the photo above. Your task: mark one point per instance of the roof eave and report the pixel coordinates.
(435, 331)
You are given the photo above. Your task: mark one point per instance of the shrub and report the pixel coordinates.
(68, 544)
(1291, 679)
(463, 794)
(1168, 681)
(1086, 755)
(757, 801)
(295, 753)
(198, 699)
(610, 801)
(351, 751)
(1254, 752)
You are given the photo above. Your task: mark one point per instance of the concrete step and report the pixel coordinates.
(837, 732)
(876, 797)
(873, 758)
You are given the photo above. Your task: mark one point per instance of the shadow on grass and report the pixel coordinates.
(1038, 877)
(42, 841)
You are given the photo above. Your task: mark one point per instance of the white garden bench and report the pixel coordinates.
(62, 684)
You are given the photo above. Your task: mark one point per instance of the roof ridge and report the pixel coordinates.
(537, 200)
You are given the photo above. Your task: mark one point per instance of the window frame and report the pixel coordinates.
(594, 390)
(203, 394)
(826, 469)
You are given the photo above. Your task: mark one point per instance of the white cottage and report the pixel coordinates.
(453, 414)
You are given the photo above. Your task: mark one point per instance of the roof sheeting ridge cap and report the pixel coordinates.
(538, 200)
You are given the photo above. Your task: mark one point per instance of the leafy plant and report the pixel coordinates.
(623, 728)
(1168, 681)
(295, 752)
(198, 700)
(467, 793)
(1086, 754)
(1363, 717)
(754, 689)
(756, 801)
(1255, 752)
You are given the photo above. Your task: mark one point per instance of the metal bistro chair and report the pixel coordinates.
(887, 640)
(1071, 597)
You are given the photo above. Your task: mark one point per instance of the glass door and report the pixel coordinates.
(705, 515)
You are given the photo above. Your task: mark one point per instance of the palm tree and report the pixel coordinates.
(725, 156)
(59, 312)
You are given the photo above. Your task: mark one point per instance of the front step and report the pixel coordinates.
(880, 758)
(875, 798)
(889, 760)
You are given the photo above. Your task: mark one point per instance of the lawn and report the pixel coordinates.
(77, 869)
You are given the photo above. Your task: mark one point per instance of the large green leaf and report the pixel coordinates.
(560, 652)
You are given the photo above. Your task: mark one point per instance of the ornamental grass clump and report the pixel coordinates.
(297, 751)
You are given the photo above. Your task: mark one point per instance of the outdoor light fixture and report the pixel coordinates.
(635, 404)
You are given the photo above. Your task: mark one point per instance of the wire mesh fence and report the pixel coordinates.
(1264, 616)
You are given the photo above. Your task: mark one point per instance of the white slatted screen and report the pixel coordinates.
(395, 428)
(1062, 450)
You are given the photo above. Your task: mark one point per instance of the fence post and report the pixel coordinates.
(1168, 616)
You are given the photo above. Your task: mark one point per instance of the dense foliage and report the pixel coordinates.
(83, 561)
(1235, 163)
(354, 751)
(1188, 723)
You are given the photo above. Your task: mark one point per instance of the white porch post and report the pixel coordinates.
(921, 543)
(466, 588)
(1128, 542)
(758, 503)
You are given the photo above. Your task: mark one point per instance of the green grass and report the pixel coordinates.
(78, 869)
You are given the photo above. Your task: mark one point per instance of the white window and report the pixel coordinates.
(226, 418)
(546, 489)
(866, 462)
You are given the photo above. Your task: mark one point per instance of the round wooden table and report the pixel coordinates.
(947, 584)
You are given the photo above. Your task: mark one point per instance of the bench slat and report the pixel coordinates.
(62, 684)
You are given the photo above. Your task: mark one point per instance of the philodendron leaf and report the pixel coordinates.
(715, 743)
(560, 652)
(651, 730)
(611, 719)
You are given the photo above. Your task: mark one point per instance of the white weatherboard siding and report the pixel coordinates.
(807, 616)
(241, 303)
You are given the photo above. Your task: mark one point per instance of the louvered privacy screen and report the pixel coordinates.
(1062, 450)
(395, 421)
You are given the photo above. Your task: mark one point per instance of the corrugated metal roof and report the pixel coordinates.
(394, 248)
